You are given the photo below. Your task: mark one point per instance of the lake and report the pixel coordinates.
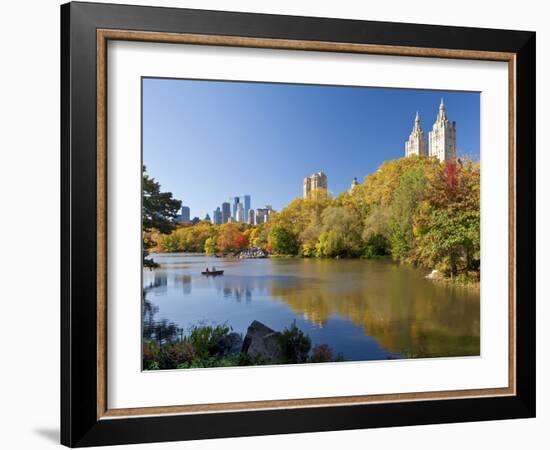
(362, 309)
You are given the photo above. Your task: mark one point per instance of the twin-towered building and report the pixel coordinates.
(441, 143)
(441, 140)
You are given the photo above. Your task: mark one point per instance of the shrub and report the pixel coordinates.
(150, 355)
(308, 250)
(295, 344)
(203, 338)
(468, 277)
(376, 246)
(176, 354)
(321, 353)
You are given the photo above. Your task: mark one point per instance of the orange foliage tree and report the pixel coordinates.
(230, 238)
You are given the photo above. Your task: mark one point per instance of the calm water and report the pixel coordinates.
(364, 310)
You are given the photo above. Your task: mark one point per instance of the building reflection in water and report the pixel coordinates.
(237, 292)
(159, 283)
(185, 281)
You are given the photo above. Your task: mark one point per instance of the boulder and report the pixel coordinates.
(435, 275)
(229, 344)
(251, 252)
(262, 342)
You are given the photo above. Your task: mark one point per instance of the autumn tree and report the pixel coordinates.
(448, 221)
(259, 235)
(210, 246)
(230, 239)
(310, 236)
(416, 209)
(187, 238)
(341, 233)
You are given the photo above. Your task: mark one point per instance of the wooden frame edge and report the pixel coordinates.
(104, 35)
(512, 199)
(212, 408)
(101, 225)
(289, 44)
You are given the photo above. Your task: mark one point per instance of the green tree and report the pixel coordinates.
(376, 231)
(158, 212)
(376, 245)
(159, 209)
(405, 202)
(450, 242)
(283, 241)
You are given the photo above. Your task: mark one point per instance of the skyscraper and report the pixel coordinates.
(246, 205)
(250, 216)
(226, 212)
(416, 144)
(262, 214)
(217, 216)
(235, 202)
(315, 181)
(185, 214)
(207, 218)
(239, 216)
(442, 138)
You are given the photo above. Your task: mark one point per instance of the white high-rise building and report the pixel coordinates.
(442, 138)
(239, 216)
(315, 181)
(416, 144)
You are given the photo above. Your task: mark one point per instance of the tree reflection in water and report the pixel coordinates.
(351, 301)
(161, 331)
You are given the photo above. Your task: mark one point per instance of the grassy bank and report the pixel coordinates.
(201, 348)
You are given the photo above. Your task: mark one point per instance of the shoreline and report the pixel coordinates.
(447, 281)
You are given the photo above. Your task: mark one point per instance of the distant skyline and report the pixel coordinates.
(207, 141)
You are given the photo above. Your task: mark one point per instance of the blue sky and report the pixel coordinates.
(206, 141)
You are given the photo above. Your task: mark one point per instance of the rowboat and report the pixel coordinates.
(213, 273)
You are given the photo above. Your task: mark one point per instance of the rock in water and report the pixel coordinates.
(230, 344)
(251, 252)
(435, 275)
(262, 342)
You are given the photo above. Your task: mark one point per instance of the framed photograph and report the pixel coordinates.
(276, 224)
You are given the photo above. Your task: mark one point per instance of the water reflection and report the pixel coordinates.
(185, 282)
(362, 309)
(159, 283)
